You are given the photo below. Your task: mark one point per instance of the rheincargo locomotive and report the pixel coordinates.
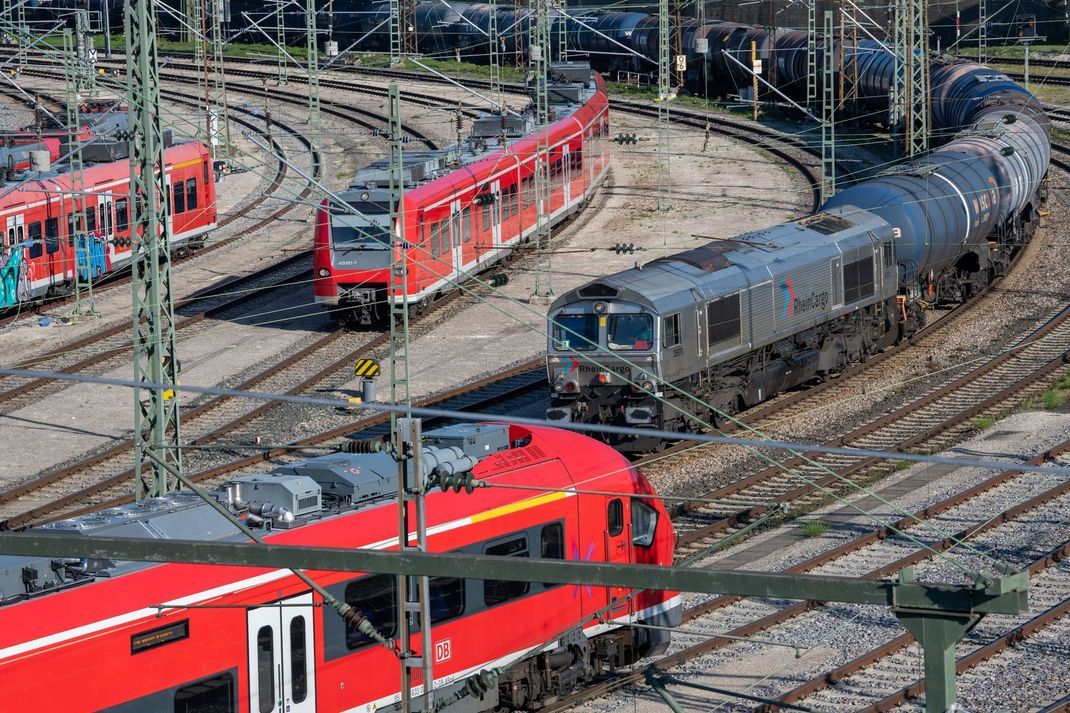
(122, 637)
(714, 330)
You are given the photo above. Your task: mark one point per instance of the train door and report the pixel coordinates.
(618, 550)
(566, 175)
(106, 226)
(282, 667)
(495, 209)
(170, 208)
(837, 282)
(456, 235)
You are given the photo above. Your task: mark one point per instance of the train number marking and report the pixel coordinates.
(443, 650)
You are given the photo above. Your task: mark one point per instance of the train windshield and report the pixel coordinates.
(576, 332)
(630, 332)
(360, 233)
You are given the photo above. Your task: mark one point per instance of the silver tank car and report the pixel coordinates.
(725, 325)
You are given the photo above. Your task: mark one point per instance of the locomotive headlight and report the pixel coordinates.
(364, 196)
(600, 307)
(559, 387)
(324, 272)
(648, 386)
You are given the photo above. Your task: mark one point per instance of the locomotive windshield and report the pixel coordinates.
(576, 332)
(630, 332)
(359, 233)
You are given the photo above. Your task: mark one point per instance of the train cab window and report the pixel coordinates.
(670, 331)
(122, 215)
(644, 523)
(376, 597)
(191, 194)
(722, 320)
(210, 695)
(180, 199)
(298, 659)
(447, 598)
(265, 669)
(51, 235)
(496, 591)
(37, 247)
(576, 332)
(858, 280)
(615, 517)
(630, 332)
(889, 256)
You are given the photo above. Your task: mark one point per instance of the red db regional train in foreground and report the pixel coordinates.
(123, 637)
(40, 240)
(466, 207)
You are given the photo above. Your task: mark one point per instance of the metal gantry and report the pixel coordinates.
(539, 51)
(312, 64)
(911, 100)
(156, 413)
(664, 169)
(811, 54)
(493, 40)
(395, 33)
(282, 60)
(828, 111)
(84, 305)
(218, 115)
(982, 31)
(197, 29)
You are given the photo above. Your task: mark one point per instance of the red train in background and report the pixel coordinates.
(466, 207)
(80, 635)
(39, 242)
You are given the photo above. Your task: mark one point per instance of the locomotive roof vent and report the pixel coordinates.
(282, 499)
(597, 290)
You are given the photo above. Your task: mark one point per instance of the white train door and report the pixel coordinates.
(105, 224)
(495, 209)
(566, 178)
(456, 236)
(282, 667)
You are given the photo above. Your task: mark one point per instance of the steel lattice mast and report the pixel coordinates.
(313, 68)
(280, 41)
(664, 175)
(539, 50)
(156, 419)
(218, 114)
(910, 95)
(828, 112)
(74, 69)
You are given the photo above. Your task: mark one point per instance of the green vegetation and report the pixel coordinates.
(983, 423)
(1053, 399)
(814, 528)
(902, 464)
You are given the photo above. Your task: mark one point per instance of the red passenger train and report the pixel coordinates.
(39, 242)
(79, 635)
(466, 207)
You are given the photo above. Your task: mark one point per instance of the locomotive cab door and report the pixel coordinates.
(618, 550)
(282, 669)
(837, 282)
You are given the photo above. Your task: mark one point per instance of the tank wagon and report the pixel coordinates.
(238, 640)
(717, 329)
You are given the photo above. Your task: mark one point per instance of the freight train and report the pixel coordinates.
(122, 637)
(42, 245)
(466, 207)
(703, 334)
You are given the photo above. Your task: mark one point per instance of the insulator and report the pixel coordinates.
(499, 280)
(368, 445)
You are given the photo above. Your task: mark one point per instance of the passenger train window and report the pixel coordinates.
(552, 546)
(51, 235)
(33, 230)
(122, 215)
(298, 659)
(670, 331)
(577, 332)
(486, 213)
(265, 669)
(435, 251)
(191, 194)
(644, 523)
(447, 598)
(90, 219)
(210, 695)
(630, 332)
(615, 517)
(496, 591)
(180, 199)
(375, 597)
(722, 320)
(466, 224)
(858, 280)
(103, 211)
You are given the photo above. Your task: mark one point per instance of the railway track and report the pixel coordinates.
(740, 617)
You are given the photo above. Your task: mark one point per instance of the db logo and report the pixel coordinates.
(443, 650)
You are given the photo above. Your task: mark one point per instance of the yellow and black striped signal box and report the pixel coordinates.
(367, 368)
